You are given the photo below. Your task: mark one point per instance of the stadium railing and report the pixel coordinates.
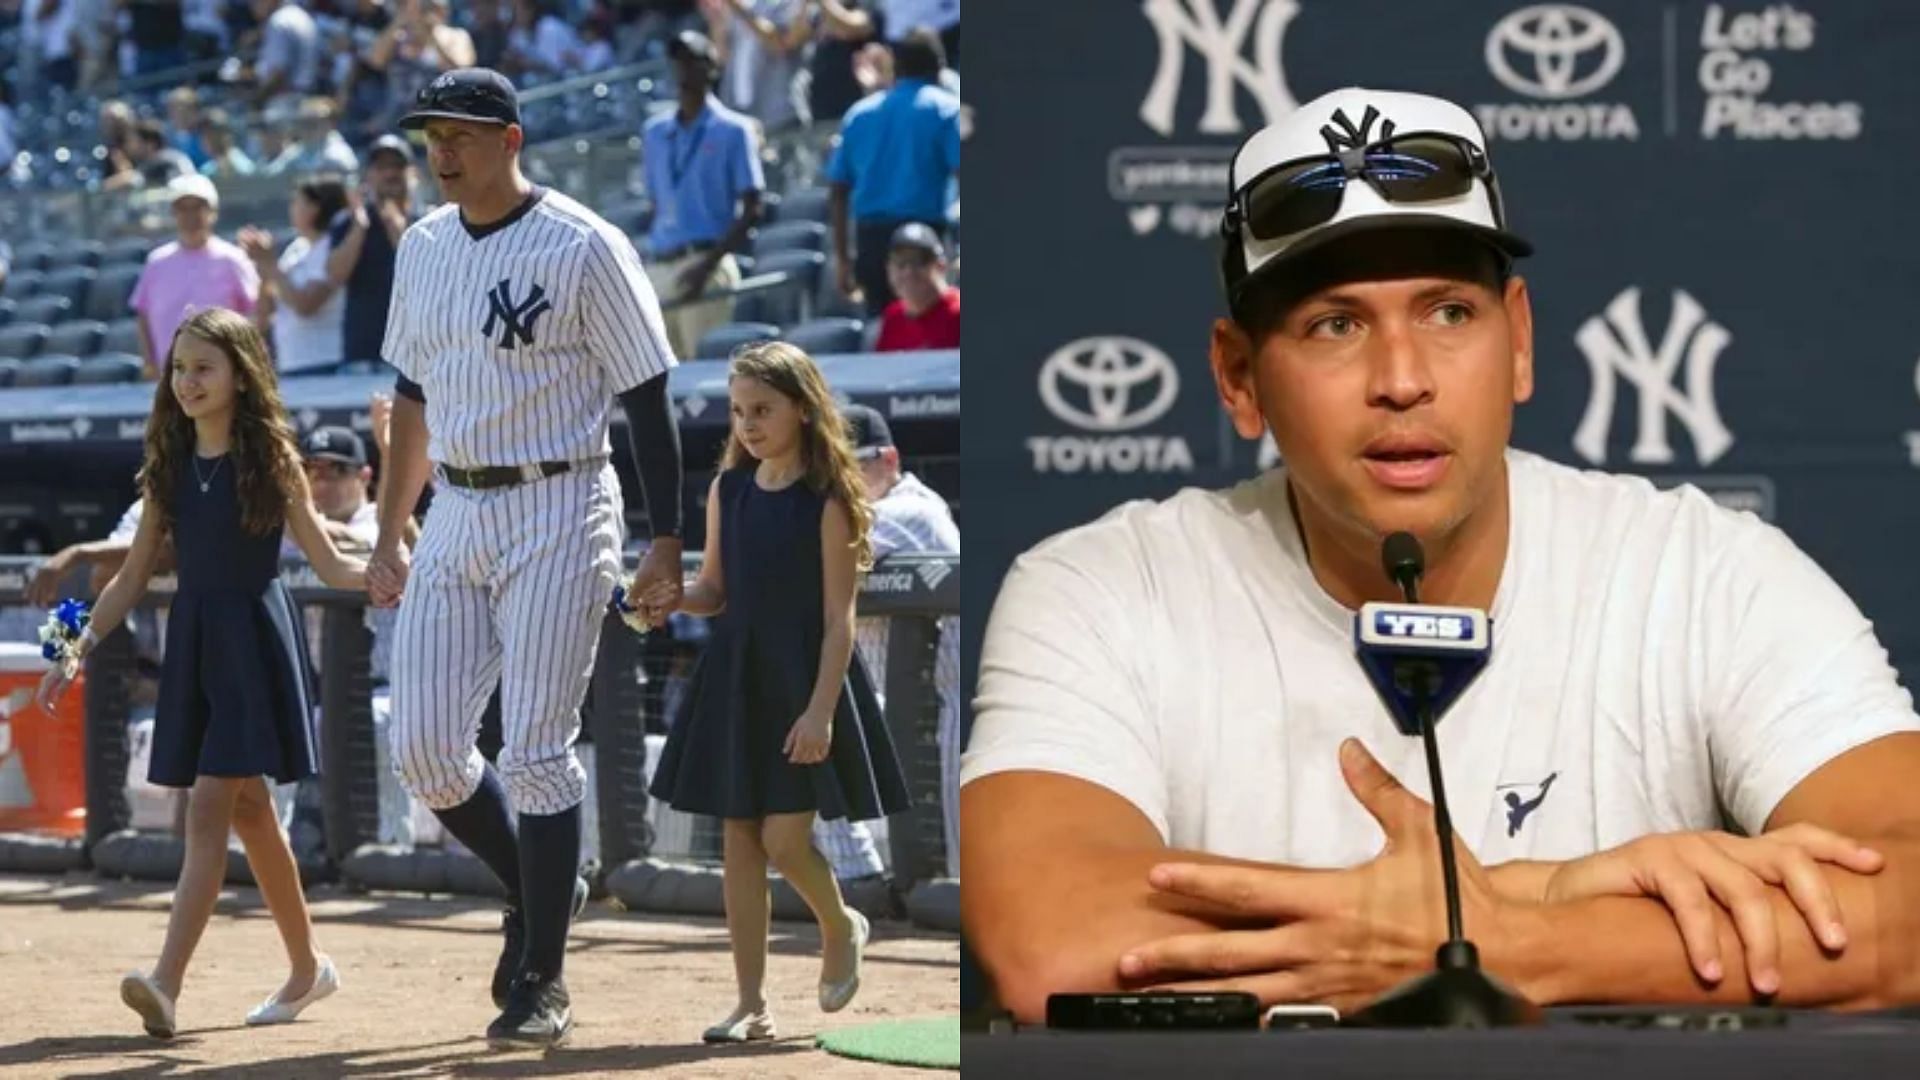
(625, 706)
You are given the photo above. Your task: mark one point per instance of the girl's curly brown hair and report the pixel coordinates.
(266, 457)
(825, 452)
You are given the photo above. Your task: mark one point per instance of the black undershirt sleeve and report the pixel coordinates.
(653, 434)
(409, 389)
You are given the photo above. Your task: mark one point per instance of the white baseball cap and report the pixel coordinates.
(1358, 160)
(193, 186)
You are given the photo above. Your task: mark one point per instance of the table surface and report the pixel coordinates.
(1809, 1045)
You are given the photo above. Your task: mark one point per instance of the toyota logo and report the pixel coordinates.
(1126, 383)
(1559, 40)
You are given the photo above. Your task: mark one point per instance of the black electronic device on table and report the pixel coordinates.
(1153, 1011)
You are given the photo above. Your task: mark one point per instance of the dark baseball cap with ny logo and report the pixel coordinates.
(478, 94)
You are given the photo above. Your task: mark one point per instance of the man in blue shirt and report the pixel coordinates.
(899, 149)
(364, 238)
(703, 171)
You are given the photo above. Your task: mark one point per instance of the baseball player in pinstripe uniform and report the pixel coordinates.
(518, 318)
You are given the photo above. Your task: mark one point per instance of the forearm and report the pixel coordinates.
(406, 468)
(118, 598)
(1061, 924)
(1628, 949)
(836, 651)
(341, 260)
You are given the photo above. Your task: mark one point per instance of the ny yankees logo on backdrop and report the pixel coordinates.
(1197, 24)
(1350, 137)
(1618, 346)
(516, 320)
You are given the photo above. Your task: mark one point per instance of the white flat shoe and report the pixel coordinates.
(836, 996)
(741, 1027)
(145, 997)
(275, 1011)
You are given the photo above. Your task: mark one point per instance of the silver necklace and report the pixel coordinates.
(207, 480)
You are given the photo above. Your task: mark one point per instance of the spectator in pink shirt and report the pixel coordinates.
(196, 271)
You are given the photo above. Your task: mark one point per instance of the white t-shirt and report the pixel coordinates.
(1656, 656)
(304, 341)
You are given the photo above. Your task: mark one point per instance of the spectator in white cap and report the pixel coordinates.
(1687, 760)
(194, 271)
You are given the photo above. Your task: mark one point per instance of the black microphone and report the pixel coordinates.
(1420, 658)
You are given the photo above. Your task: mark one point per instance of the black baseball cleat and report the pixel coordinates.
(538, 1015)
(513, 927)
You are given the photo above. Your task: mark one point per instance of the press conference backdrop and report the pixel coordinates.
(1725, 201)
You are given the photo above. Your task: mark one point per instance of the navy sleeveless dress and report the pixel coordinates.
(234, 699)
(756, 675)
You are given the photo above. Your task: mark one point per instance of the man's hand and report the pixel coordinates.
(693, 280)
(1692, 871)
(657, 581)
(843, 277)
(1340, 937)
(387, 574)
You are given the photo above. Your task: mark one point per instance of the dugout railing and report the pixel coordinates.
(625, 705)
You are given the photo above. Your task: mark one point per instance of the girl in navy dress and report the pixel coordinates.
(222, 476)
(780, 721)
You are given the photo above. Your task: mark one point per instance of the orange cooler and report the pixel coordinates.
(43, 785)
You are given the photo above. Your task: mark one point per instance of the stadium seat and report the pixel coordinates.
(86, 253)
(770, 207)
(107, 299)
(46, 370)
(8, 368)
(784, 304)
(826, 337)
(791, 236)
(81, 337)
(6, 312)
(44, 308)
(130, 249)
(368, 367)
(109, 368)
(23, 282)
(804, 204)
(32, 256)
(870, 337)
(73, 282)
(122, 336)
(23, 339)
(719, 343)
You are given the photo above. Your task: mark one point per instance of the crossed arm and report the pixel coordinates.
(1292, 935)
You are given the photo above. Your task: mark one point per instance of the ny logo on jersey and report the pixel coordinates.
(515, 320)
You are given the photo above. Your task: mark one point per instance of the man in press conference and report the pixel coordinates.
(1687, 772)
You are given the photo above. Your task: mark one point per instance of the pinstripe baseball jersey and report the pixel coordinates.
(521, 333)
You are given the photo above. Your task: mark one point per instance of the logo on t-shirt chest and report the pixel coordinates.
(515, 320)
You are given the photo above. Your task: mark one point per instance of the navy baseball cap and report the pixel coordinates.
(921, 237)
(334, 444)
(866, 429)
(479, 94)
(392, 144)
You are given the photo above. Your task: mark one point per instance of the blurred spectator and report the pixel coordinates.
(596, 44)
(207, 30)
(157, 32)
(903, 17)
(299, 303)
(224, 158)
(9, 142)
(540, 40)
(338, 475)
(197, 270)
(909, 516)
(364, 238)
(320, 149)
(760, 43)
(183, 121)
(50, 31)
(417, 46)
(116, 135)
(360, 91)
(840, 28)
(898, 152)
(289, 60)
(648, 26)
(276, 130)
(927, 313)
(95, 37)
(490, 24)
(703, 173)
(154, 163)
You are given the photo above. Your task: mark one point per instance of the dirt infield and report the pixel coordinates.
(414, 1001)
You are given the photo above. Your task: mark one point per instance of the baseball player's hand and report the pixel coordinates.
(809, 739)
(657, 580)
(387, 575)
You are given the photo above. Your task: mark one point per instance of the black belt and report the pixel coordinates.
(689, 249)
(498, 476)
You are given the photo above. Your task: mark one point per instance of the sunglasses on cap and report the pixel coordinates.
(1297, 195)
